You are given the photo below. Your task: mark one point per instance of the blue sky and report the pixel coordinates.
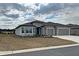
(14, 14)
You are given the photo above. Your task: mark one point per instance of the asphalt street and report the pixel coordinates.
(67, 51)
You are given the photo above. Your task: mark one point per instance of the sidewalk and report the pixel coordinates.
(35, 49)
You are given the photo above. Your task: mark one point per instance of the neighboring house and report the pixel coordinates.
(41, 28)
(7, 31)
(74, 29)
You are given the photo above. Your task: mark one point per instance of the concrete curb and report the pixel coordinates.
(35, 49)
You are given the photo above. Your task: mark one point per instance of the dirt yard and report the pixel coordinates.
(13, 42)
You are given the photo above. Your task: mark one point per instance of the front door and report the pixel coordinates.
(38, 31)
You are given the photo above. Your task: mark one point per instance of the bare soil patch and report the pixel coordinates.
(9, 42)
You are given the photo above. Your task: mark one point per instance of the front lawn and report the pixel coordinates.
(10, 42)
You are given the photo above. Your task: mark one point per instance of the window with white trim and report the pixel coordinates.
(22, 30)
(28, 30)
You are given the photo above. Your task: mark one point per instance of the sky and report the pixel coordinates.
(14, 14)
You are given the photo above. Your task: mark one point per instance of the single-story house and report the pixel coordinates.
(42, 29)
(74, 29)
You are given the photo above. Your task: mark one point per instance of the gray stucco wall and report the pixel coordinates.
(43, 31)
(48, 30)
(18, 31)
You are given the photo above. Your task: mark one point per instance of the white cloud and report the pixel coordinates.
(13, 11)
(69, 13)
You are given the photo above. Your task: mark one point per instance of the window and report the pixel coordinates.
(22, 30)
(28, 30)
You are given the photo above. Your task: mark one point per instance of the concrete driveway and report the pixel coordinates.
(72, 38)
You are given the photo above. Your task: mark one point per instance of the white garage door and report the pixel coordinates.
(63, 32)
(50, 32)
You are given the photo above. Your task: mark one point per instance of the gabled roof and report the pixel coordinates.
(43, 24)
(31, 23)
(73, 25)
(55, 24)
(25, 24)
(37, 21)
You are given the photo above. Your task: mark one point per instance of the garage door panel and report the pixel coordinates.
(63, 31)
(50, 32)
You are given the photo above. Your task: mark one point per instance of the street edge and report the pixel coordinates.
(35, 49)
